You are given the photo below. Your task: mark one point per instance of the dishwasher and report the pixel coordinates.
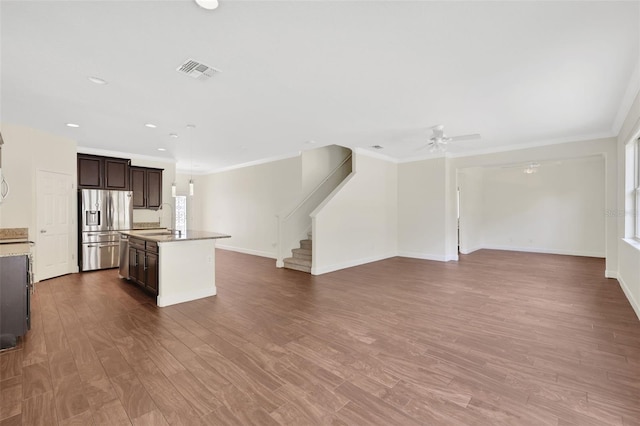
(124, 257)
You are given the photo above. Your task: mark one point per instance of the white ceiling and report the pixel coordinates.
(354, 73)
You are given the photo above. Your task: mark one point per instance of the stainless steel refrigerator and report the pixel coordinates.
(101, 215)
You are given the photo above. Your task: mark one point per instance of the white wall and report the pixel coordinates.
(629, 250)
(318, 163)
(25, 152)
(358, 222)
(600, 147)
(470, 182)
(422, 209)
(244, 202)
(560, 209)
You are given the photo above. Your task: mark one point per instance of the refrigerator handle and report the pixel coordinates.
(110, 211)
(112, 208)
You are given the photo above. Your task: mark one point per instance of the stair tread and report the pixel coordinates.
(305, 244)
(303, 251)
(297, 261)
(306, 269)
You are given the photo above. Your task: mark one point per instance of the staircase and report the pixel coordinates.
(301, 260)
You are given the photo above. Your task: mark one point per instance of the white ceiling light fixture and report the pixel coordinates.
(173, 135)
(208, 4)
(97, 80)
(531, 168)
(150, 125)
(162, 149)
(74, 125)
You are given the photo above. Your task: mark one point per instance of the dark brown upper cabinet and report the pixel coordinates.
(154, 188)
(90, 171)
(116, 174)
(146, 184)
(97, 172)
(138, 187)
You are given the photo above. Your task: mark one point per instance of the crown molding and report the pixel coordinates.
(118, 154)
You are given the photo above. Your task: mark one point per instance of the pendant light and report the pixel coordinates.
(173, 190)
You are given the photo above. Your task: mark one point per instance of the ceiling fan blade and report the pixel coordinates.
(465, 137)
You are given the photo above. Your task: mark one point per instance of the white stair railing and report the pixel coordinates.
(294, 223)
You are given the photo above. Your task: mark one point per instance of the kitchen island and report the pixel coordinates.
(177, 266)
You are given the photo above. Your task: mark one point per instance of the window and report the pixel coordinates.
(181, 213)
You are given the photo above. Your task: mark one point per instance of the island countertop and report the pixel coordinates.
(167, 236)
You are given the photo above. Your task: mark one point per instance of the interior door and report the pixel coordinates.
(54, 193)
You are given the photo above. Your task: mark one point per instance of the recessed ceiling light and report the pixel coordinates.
(151, 125)
(173, 135)
(162, 149)
(207, 4)
(73, 125)
(191, 126)
(97, 80)
(310, 142)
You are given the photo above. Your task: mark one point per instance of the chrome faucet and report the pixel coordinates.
(173, 223)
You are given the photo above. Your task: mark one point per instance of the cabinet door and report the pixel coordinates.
(133, 264)
(154, 188)
(90, 171)
(152, 272)
(116, 174)
(138, 187)
(13, 295)
(142, 268)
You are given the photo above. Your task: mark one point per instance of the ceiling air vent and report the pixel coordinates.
(195, 69)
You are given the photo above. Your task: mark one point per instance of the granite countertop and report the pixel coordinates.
(166, 236)
(17, 249)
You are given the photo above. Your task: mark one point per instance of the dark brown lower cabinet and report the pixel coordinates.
(152, 272)
(143, 264)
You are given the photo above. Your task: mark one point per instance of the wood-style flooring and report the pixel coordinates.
(498, 338)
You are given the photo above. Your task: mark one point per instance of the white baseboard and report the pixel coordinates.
(425, 256)
(471, 250)
(627, 292)
(185, 297)
(247, 251)
(349, 264)
(548, 251)
(611, 274)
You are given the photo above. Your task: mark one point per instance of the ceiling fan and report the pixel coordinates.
(438, 140)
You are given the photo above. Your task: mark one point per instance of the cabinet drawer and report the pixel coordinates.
(136, 243)
(152, 246)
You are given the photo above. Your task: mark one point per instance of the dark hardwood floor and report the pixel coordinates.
(497, 338)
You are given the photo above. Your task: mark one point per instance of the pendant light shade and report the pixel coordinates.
(191, 187)
(173, 189)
